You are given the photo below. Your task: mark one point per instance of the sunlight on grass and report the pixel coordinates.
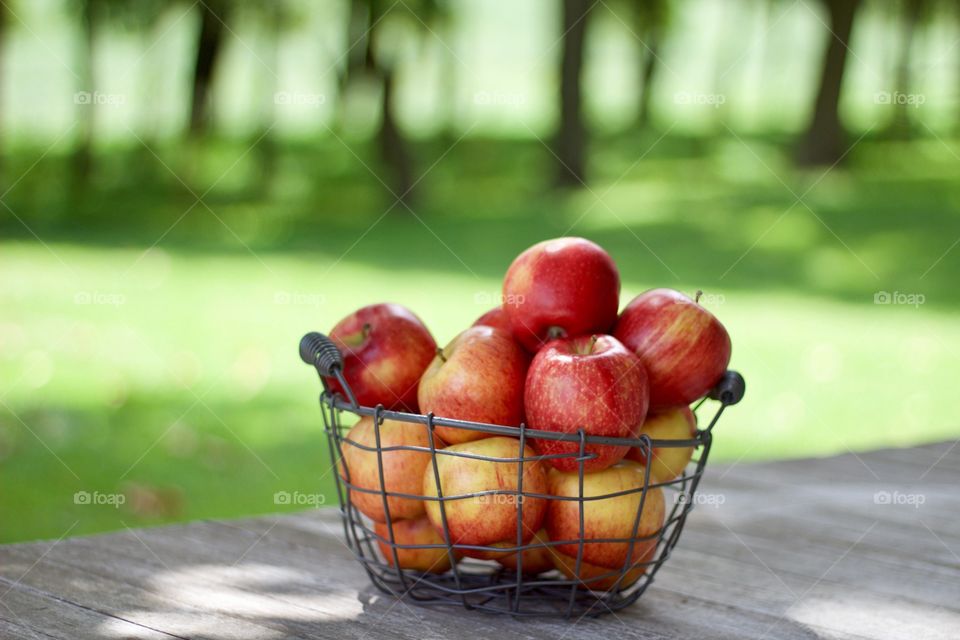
(181, 377)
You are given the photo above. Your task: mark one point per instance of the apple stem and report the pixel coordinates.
(367, 330)
(440, 355)
(697, 299)
(593, 342)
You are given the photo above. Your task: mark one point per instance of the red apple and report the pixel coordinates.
(684, 347)
(488, 519)
(670, 424)
(562, 287)
(478, 377)
(385, 349)
(605, 518)
(495, 318)
(414, 532)
(402, 468)
(589, 382)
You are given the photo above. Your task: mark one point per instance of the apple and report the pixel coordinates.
(535, 559)
(478, 377)
(561, 287)
(604, 518)
(671, 424)
(496, 317)
(589, 382)
(684, 347)
(489, 519)
(402, 469)
(385, 349)
(414, 532)
(598, 578)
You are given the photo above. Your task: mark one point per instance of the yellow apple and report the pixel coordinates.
(535, 559)
(604, 518)
(414, 532)
(671, 424)
(487, 519)
(599, 578)
(402, 469)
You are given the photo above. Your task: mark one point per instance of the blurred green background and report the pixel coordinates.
(188, 187)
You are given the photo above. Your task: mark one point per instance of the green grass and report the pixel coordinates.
(180, 383)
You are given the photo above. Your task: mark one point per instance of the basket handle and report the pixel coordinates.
(319, 351)
(730, 389)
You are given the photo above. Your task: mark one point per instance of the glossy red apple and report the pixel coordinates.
(561, 288)
(478, 377)
(496, 318)
(683, 346)
(385, 349)
(589, 382)
(670, 424)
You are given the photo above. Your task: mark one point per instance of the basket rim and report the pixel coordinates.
(336, 401)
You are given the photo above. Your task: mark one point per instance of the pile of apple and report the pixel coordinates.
(557, 357)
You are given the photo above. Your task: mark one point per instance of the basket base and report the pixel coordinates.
(496, 592)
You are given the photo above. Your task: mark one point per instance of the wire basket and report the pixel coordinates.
(485, 585)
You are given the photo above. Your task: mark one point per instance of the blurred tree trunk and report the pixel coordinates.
(909, 20)
(571, 137)
(213, 15)
(272, 25)
(85, 98)
(648, 69)
(3, 33)
(823, 142)
(448, 85)
(392, 145)
(358, 23)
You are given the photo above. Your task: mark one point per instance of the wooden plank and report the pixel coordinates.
(153, 606)
(12, 631)
(306, 548)
(415, 621)
(784, 555)
(756, 590)
(29, 613)
(889, 465)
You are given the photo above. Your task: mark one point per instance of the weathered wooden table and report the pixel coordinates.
(847, 547)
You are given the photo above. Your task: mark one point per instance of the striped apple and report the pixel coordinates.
(683, 346)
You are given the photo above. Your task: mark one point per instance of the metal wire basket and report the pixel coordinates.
(486, 585)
